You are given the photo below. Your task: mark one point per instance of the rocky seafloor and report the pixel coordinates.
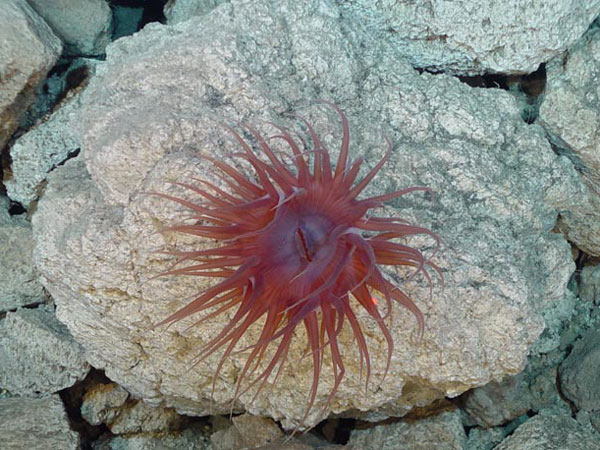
(494, 106)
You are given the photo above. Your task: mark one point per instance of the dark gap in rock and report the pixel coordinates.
(70, 155)
(74, 79)
(526, 88)
(335, 431)
(130, 16)
(511, 426)
(581, 260)
(558, 384)
(16, 209)
(72, 398)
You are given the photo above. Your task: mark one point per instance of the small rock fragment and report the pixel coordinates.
(247, 431)
(102, 403)
(497, 403)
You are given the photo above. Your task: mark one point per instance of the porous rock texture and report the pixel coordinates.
(551, 431)
(190, 438)
(28, 49)
(462, 37)
(181, 10)
(498, 187)
(19, 284)
(83, 25)
(37, 354)
(469, 38)
(580, 372)
(46, 145)
(444, 430)
(570, 113)
(36, 424)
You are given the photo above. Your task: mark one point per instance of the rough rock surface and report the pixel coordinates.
(590, 284)
(570, 110)
(468, 38)
(44, 147)
(181, 10)
(83, 25)
(37, 353)
(19, 284)
(497, 403)
(484, 438)
(143, 418)
(580, 372)
(499, 189)
(35, 424)
(442, 431)
(102, 403)
(549, 431)
(570, 113)
(192, 438)
(28, 49)
(247, 432)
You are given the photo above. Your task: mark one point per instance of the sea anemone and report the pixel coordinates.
(295, 244)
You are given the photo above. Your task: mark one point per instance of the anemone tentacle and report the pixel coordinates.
(295, 247)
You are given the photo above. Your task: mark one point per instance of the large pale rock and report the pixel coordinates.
(19, 284)
(36, 424)
(83, 25)
(467, 37)
(28, 50)
(570, 113)
(498, 183)
(37, 354)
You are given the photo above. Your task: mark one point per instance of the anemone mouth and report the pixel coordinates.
(296, 245)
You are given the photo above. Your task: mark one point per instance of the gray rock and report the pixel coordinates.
(589, 287)
(181, 10)
(191, 438)
(44, 147)
(37, 354)
(551, 431)
(19, 284)
(444, 431)
(103, 403)
(28, 50)
(35, 424)
(248, 431)
(468, 38)
(110, 404)
(140, 417)
(143, 122)
(580, 372)
(571, 115)
(83, 25)
(497, 403)
(570, 110)
(484, 438)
